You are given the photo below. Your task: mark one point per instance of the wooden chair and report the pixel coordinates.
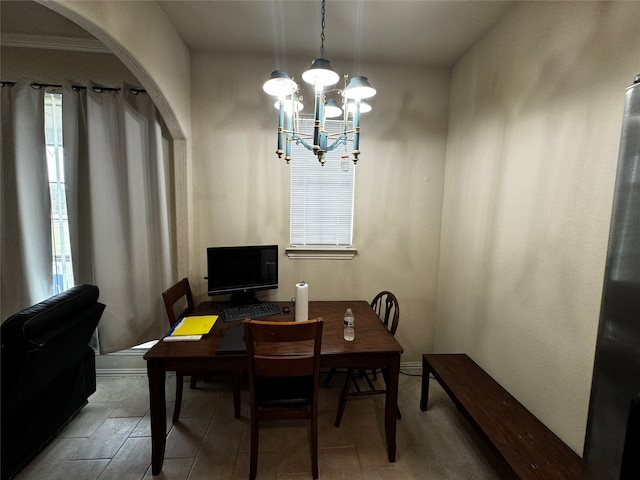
(385, 304)
(283, 360)
(178, 302)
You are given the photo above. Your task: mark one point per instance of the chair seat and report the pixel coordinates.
(284, 391)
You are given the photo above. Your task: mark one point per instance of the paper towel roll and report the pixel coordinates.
(302, 301)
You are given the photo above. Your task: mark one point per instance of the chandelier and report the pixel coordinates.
(289, 104)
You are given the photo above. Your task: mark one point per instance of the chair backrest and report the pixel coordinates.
(385, 304)
(282, 349)
(283, 363)
(180, 294)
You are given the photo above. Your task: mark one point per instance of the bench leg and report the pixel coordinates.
(424, 394)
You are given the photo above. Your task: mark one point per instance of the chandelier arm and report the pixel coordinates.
(300, 141)
(295, 133)
(340, 134)
(340, 141)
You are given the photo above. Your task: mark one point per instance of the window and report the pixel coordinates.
(321, 196)
(61, 245)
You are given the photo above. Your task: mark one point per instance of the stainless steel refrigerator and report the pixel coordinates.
(612, 442)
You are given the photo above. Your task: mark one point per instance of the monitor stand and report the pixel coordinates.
(243, 298)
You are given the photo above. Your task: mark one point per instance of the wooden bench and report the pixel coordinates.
(529, 449)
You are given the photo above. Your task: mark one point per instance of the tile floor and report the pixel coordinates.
(110, 439)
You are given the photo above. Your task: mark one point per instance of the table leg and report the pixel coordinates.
(424, 394)
(158, 413)
(391, 405)
(235, 385)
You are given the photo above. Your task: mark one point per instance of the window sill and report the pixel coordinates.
(323, 253)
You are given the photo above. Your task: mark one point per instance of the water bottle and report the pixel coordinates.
(349, 326)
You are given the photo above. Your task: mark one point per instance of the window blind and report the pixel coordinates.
(321, 195)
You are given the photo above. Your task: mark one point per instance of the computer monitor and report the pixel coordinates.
(241, 271)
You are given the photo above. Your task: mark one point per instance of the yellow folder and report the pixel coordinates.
(195, 325)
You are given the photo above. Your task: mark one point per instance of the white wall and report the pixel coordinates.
(534, 129)
(55, 66)
(241, 189)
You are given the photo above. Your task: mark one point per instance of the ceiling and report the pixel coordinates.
(420, 32)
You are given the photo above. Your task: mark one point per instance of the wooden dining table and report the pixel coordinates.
(373, 347)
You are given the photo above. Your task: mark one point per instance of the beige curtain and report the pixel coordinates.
(25, 223)
(118, 170)
(120, 208)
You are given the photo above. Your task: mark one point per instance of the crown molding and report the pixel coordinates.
(75, 44)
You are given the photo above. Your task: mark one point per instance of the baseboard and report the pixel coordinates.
(125, 362)
(413, 368)
(123, 372)
(133, 364)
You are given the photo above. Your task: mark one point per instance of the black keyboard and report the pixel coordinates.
(256, 310)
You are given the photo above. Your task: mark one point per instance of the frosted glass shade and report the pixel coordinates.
(331, 108)
(289, 106)
(359, 88)
(320, 73)
(279, 84)
(365, 107)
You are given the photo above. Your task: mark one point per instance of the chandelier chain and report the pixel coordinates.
(322, 33)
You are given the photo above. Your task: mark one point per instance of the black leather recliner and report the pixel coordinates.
(48, 371)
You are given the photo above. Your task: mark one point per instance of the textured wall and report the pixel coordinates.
(241, 189)
(534, 129)
(53, 66)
